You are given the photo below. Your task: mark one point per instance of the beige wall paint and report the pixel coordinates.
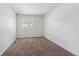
(7, 27)
(62, 27)
(37, 29)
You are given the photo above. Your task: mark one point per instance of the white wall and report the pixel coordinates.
(7, 27)
(62, 27)
(36, 31)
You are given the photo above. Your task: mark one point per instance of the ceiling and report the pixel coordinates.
(33, 8)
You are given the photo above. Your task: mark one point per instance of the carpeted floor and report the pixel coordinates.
(35, 46)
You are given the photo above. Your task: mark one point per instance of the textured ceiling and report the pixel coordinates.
(33, 8)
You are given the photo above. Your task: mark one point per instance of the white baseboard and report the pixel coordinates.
(7, 47)
(29, 36)
(49, 38)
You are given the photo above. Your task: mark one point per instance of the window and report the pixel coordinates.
(28, 22)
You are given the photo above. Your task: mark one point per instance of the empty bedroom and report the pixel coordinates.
(39, 29)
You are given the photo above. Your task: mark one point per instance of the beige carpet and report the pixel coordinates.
(37, 46)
